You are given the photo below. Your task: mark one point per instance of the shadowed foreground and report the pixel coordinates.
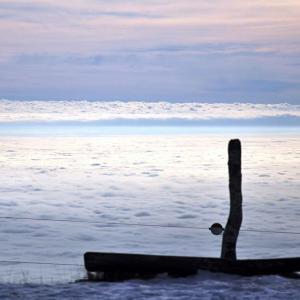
(205, 285)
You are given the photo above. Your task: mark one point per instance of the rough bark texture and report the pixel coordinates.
(235, 190)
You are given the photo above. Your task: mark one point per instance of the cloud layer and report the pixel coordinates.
(149, 113)
(224, 51)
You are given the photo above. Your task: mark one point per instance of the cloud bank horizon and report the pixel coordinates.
(147, 113)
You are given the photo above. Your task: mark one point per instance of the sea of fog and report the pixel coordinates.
(111, 177)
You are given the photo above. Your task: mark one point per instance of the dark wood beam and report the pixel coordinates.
(235, 218)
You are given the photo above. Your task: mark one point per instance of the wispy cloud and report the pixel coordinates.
(203, 47)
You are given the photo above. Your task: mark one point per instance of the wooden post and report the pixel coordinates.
(235, 189)
(122, 266)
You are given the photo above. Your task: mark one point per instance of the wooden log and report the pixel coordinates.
(234, 221)
(118, 266)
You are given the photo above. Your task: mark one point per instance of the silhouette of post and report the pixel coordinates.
(121, 266)
(234, 221)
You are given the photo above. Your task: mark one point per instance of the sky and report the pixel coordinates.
(151, 50)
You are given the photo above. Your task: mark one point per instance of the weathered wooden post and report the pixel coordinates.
(235, 189)
(120, 266)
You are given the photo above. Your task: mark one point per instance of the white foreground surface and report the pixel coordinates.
(159, 179)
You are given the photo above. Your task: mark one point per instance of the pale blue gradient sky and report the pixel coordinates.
(213, 51)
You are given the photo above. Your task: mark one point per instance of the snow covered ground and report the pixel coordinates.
(203, 286)
(145, 179)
